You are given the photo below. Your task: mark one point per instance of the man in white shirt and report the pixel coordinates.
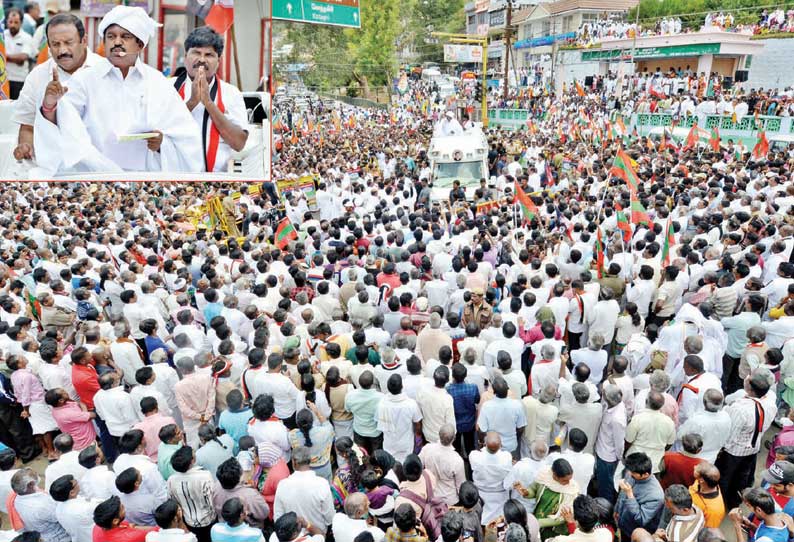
(67, 462)
(305, 493)
(280, 387)
(399, 419)
(348, 525)
(19, 50)
(74, 512)
(85, 129)
(68, 53)
(436, 405)
(114, 405)
(490, 466)
(216, 106)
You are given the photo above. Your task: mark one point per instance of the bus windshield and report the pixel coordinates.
(468, 173)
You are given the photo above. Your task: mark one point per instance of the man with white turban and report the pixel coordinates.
(119, 115)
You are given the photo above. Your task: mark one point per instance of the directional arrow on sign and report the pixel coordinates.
(355, 16)
(289, 8)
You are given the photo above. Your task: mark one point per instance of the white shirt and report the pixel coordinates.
(5, 487)
(306, 494)
(83, 139)
(37, 80)
(488, 472)
(713, 427)
(596, 360)
(235, 113)
(126, 357)
(691, 401)
(346, 529)
(140, 391)
(98, 483)
(135, 313)
(396, 416)
(116, 409)
(437, 409)
(76, 516)
(583, 465)
(66, 464)
(22, 43)
(170, 535)
(281, 388)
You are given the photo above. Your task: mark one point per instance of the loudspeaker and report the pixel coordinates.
(588, 81)
(727, 83)
(740, 76)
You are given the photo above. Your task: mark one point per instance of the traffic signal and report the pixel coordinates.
(478, 93)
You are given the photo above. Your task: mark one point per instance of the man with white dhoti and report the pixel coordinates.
(68, 53)
(489, 468)
(217, 107)
(120, 115)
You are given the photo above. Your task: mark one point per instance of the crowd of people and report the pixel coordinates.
(592, 343)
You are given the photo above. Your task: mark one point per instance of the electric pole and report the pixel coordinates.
(508, 35)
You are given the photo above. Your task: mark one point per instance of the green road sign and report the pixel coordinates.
(331, 12)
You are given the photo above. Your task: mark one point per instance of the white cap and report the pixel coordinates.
(133, 19)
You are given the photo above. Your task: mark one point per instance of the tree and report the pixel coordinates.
(372, 48)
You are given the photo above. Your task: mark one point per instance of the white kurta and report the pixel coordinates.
(488, 472)
(101, 105)
(33, 92)
(234, 105)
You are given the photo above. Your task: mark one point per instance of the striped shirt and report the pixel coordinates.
(684, 528)
(193, 491)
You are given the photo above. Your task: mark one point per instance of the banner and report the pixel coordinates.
(305, 184)
(462, 53)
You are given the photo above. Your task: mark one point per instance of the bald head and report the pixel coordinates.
(357, 506)
(446, 434)
(493, 442)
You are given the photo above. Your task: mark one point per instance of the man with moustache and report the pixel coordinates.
(217, 107)
(68, 53)
(100, 122)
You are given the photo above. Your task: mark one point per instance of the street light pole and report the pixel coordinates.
(508, 36)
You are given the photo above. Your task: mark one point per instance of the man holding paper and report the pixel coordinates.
(119, 115)
(217, 107)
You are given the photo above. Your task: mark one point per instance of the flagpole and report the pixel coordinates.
(233, 39)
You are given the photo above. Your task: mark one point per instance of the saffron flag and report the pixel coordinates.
(528, 208)
(284, 233)
(579, 89)
(761, 148)
(621, 168)
(5, 86)
(221, 16)
(669, 241)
